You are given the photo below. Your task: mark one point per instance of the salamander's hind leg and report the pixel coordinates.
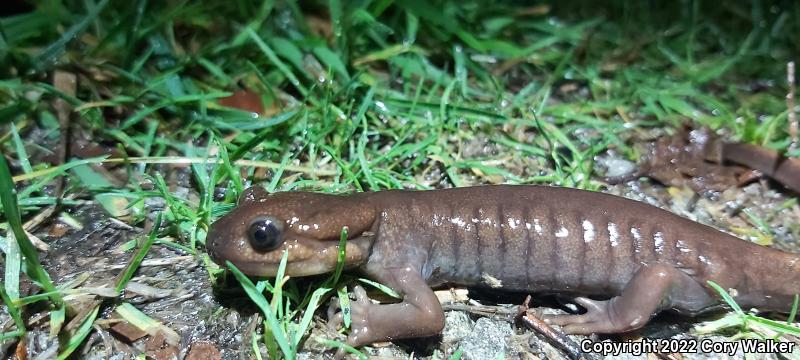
(653, 288)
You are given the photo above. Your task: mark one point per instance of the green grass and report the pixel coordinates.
(359, 96)
(739, 324)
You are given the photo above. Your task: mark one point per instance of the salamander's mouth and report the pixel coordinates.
(306, 257)
(302, 268)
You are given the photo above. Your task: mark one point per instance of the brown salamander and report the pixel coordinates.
(521, 237)
(701, 160)
(770, 162)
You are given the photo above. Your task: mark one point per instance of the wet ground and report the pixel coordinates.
(175, 288)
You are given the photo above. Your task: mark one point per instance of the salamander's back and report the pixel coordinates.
(548, 239)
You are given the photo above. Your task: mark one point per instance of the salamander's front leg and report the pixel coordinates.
(419, 314)
(653, 288)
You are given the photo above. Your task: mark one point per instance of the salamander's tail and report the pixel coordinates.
(771, 280)
(770, 162)
(785, 281)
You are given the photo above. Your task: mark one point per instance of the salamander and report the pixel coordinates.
(639, 258)
(701, 159)
(770, 162)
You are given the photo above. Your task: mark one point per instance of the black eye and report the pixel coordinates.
(265, 234)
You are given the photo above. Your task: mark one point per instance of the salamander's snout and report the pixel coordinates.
(255, 235)
(227, 240)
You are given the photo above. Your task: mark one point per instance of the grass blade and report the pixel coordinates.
(79, 335)
(269, 315)
(19, 146)
(48, 55)
(340, 345)
(276, 61)
(13, 265)
(115, 205)
(147, 324)
(9, 200)
(727, 297)
(13, 310)
(127, 274)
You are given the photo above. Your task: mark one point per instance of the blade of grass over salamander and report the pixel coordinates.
(340, 259)
(269, 315)
(277, 293)
(747, 321)
(333, 281)
(344, 304)
(793, 313)
(308, 314)
(726, 297)
(383, 288)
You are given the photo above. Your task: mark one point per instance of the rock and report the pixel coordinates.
(457, 326)
(203, 350)
(614, 166)
(128, 332)
(487, 340)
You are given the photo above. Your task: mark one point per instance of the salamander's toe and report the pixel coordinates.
(360, 332)
(335, 317)
(595, 320)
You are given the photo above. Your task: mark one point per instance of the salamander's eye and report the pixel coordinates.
(265, 234)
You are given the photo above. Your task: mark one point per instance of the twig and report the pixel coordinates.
(67, 83)
(178, 160)
(790, 105)
(493, 312)
(156, 262)
(557, 339)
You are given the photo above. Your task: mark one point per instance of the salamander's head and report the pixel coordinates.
(308, 225)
